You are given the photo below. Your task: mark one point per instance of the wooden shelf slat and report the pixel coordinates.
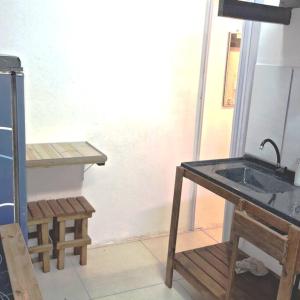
(208, 267)
(58, 154)
(21, 274)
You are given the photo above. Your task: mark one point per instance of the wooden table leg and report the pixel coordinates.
(61, 251)
(174, 226)
(231, 274)
(289, 267)
(45, 241)
(83, 251)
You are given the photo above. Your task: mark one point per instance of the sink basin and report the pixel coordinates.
(255, 180)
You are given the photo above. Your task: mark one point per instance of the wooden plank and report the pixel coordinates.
(74, 243)
(66, 150)
(76, 205)
(220, 191)
(56, 209)
(35, 210)
(67, 208)
(61, 251)
(54, 234)
(85, 149)
(85, 204)
(74, 217)
(39, 221)
(233, 260)
(20, 269)
(77, 234)
(219, 255)
(213, 260)
(83, 251)
(47, 212)
(266, 217)
(56, 154)
(40, 248)
(201, 276)
(45, 241)
(246, 286)
(254, 11)
(31, 154)
(174, 226)
(204, 293)
(207, 268)
(46, 151)
(290, 265)
(29, 215)
(260, 235)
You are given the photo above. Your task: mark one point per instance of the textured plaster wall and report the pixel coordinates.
(124, 76)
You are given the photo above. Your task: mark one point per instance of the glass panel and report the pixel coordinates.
(6, 181)
(6, 143)
(5, 101)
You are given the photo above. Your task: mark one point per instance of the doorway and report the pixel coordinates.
(218, 108)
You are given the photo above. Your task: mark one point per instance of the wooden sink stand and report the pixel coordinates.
(211, 269)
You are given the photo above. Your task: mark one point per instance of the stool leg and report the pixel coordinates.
(77, 235)
(45, 241)
(83, 252)
(55, 237)
(39, 239)
(61, 251)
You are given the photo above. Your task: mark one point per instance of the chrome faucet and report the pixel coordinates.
(261, 147)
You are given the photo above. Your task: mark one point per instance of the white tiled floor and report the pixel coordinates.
(132, 270)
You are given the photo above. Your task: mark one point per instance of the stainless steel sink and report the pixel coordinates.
(256, 180)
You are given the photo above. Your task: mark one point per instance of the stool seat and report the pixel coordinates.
(40, 214)
(67, 207)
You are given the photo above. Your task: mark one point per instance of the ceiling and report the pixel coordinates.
(290, 3)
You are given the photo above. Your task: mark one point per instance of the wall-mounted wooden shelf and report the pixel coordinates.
(59, 154)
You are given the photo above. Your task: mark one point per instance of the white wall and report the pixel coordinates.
(217, 120)
(279, 45)
(124, 76)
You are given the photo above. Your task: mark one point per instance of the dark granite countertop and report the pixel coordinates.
(283, 204)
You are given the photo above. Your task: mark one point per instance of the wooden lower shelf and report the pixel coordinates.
(208, 268)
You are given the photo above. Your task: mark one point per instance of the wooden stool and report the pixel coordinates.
(40, 214)
(75, 209)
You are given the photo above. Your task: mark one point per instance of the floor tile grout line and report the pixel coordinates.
(81, 281)
(153, 255)
(127, 291)
(210, 236)
(189, 292)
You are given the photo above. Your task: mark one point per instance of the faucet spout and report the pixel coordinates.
(261, 147)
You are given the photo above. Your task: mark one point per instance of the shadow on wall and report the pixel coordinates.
(54, 182)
